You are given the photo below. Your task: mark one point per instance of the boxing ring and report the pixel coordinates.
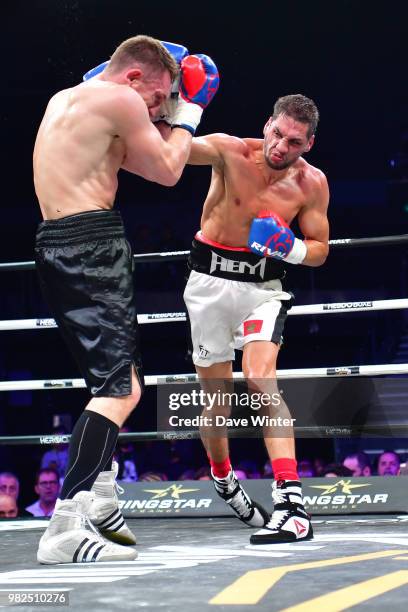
(207, 563)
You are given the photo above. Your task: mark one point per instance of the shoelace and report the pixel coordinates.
(115, 470)
(118, 488)
(241, 503)
(86, 522)
(277, 519)
(279, 497)
(225, 485)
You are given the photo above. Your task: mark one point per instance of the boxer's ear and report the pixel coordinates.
(267, 125)
(310, 143)
(134, 75)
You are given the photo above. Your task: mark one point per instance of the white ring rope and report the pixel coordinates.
(337, 244)
(79, 383)
(173, 317)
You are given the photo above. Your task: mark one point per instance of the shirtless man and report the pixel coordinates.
(84, 262)
(234, 294)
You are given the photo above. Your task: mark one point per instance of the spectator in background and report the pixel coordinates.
(10, 487)
(388, 464)
(305, 468)
(187, 475)
(181, 453)
(336, 470)
(125, 455)
(9, 484)
(241, 474)
(319, 466)
(153, 476)
(250, 468)
(203, 473)
(47, 487)
(267, 470)
(358, 463)
(8, 506)
(57, 458)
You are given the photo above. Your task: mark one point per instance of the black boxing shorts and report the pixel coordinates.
(85, 267)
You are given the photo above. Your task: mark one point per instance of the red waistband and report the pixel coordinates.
(201, 238)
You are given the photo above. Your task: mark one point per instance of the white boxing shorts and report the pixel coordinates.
(232, 301)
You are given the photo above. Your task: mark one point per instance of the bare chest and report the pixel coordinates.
(248, 192)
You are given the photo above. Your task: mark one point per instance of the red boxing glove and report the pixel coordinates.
(198, 85)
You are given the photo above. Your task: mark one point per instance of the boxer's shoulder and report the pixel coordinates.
(312, 178)
(216, 148)
(225, 142)
(117, 102)
(254, 144)
(314, 185)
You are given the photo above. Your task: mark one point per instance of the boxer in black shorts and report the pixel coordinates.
(92, 299)
(84, 262)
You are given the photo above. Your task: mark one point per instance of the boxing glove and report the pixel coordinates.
(270, 236)
(199, 82)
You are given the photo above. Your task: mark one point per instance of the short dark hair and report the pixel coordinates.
(9, 475)
(46, 471)
(338, 469)
(300, 108)
(146, 50)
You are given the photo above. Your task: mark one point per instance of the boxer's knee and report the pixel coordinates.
(258, 373)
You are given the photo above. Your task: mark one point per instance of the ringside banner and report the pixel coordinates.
(197, 498)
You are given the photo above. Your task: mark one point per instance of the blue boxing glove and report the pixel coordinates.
(179, 52)
(94, 71)
(270, 236)
(199, 83)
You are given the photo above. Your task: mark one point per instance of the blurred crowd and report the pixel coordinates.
(173, 460)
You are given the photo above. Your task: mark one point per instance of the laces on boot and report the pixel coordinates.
(241, 503)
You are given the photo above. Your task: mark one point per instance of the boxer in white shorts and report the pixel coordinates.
(234, 294)
(225, 314)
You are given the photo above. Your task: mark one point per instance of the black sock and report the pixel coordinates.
(92, 444)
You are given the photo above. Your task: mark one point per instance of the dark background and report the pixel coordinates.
(349, 56)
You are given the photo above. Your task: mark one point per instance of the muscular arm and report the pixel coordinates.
(314, 225)
(147, 154)
(211, 150)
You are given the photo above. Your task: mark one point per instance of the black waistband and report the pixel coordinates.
(233, 265)
(80, 228)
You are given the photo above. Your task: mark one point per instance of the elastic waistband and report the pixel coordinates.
(80, 228)
(231, 264)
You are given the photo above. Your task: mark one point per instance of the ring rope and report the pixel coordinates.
(151, 380)
(173, 317)
(336, 244)
(399, 429)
